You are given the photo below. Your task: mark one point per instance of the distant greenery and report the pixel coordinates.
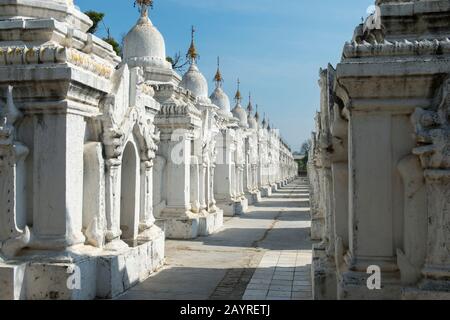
(97, 18)
(178, 62)
(116, 46)
(304, 151)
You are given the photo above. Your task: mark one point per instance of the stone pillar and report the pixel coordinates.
(147, 218)
(14, 232)
(339, 172)
(212, 196)
(94, 215)
(223, 173)
(436, 271)
(112, 186)
(178, 175)
(432, 128)
(195, 184)
(203, 179)
(58, 189)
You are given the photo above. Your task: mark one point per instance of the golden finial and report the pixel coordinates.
(192, 54)
(238, 96)
(143, 6)
(218, 77)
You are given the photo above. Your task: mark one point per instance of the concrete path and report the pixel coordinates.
(264, 254)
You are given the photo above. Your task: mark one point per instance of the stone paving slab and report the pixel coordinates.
(285, 283)
(264, 254)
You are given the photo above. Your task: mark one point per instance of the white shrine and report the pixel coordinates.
(380, 159)
(102, 157)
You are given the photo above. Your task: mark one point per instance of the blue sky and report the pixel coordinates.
(275, 47)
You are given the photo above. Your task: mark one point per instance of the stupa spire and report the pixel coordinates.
(250, 106)
(143, 6)
(257, 114)
(238, 96)
(218, 79)
(192, 54)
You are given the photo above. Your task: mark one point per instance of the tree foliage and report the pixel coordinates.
(96, 18)
(177, 61)
(304, 151)
(306, 146)
(116, 46)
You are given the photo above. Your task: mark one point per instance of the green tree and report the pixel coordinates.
(96, 18)
(116, 46)
(304, 151)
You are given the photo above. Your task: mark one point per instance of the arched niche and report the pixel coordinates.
(130, 191)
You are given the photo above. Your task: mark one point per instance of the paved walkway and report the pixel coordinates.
(264, 254)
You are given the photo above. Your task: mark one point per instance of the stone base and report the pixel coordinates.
(317, 225)
(210, 223)
(266, 191)
(323, 270)
(12, 281)
(256, 196)
(428, 289)
(182, 228)
(274, 188)
(352, 285)
(233, 208)
(83, 273)
(253, 197)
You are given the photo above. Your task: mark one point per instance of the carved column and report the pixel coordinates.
(432, 129)
(14, 233)
(112, 186)
(203, 180)
(58, 189)
(147, 218)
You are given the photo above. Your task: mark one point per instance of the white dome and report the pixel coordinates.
(220, 99)
(194, 81)
(252, 124)
(144, 45)
(240, 114)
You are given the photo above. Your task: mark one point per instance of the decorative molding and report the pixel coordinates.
(432, 129)
(12, 156)
(21, 55)
(397, 48)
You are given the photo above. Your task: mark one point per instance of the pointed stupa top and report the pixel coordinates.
(144, 5)
(257, 114)
(252, 123)
(192, 53)
(250, 106)
(238, 96)
(193, 79)
(219, 97)
(218, 79)
(238, 112)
